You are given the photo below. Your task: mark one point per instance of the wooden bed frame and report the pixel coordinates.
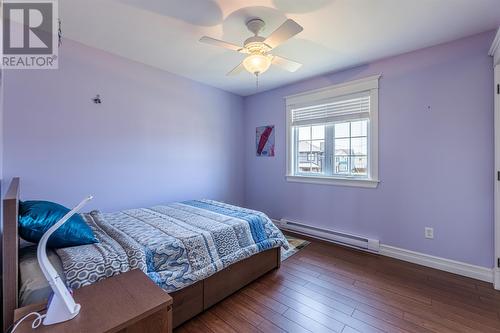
(188, 302)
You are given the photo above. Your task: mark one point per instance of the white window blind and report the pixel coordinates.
(349, 107)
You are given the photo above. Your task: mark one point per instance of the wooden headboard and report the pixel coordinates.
(10, 253)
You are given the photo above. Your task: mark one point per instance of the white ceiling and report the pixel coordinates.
(337, 33)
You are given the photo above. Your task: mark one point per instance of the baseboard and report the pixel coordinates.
(447, 265)
(443, 264)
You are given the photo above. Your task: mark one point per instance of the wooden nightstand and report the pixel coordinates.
(129, 302)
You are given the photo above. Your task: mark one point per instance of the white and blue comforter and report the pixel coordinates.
(175, 245)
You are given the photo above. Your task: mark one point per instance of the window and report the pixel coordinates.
(311, 148)
(332, 134)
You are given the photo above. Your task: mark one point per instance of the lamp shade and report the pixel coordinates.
(257, 63)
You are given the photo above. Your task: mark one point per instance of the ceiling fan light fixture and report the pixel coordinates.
(257, 63)
(257, 48)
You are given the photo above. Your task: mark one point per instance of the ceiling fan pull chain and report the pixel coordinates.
(256, 82)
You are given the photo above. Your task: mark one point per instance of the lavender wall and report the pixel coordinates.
(436, 166)
(155, 138)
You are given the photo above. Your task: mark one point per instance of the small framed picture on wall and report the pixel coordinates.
(264, 141)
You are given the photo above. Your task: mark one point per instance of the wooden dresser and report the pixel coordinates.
(129, 302)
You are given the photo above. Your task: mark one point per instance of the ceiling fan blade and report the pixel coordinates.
(236, 70)
(221, 43)
(284, 32)
(286, 64)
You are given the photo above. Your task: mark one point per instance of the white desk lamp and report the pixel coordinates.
(62, 306)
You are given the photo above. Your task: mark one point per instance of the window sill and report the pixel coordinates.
(351, 182)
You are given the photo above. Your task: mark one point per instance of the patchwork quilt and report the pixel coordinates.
(175, 244)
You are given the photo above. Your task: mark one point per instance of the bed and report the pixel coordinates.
(198, 251)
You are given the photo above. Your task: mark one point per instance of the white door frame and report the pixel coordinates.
(496, 268)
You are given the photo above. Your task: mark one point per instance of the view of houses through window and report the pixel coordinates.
(339, 149)
(311, 148)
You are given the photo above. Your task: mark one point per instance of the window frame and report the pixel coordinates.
(369, 84)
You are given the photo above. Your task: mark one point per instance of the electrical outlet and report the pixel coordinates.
(429, 232)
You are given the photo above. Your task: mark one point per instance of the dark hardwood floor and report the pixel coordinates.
(328, 288)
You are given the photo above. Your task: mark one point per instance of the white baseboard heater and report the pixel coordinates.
(355, 241)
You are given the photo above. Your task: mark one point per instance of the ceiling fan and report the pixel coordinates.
(257, 48)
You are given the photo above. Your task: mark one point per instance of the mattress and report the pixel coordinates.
(176, 245)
